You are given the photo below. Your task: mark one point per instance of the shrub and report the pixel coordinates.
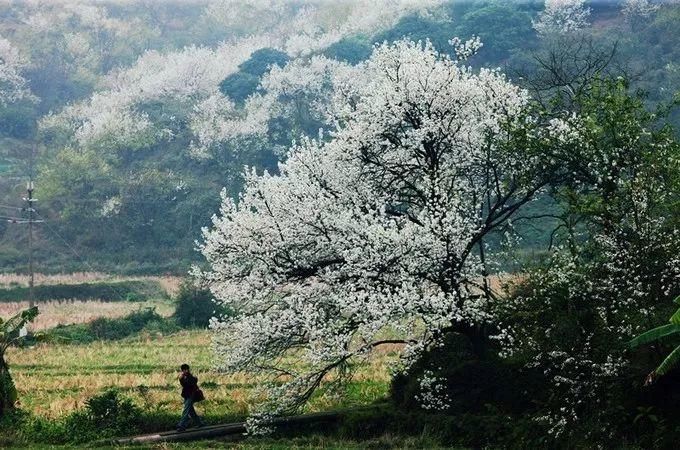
(195, 306)
(109, 411)
(145, 319)
(112, 329)
(262, 60)
(239, 86)
(468, 382)
(105, 415)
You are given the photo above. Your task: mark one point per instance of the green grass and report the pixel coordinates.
(311, 442)
(55, 379)
(316, 441)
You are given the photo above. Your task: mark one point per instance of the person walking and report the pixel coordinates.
(191, 394)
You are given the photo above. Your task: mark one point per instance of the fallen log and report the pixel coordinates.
(236, 430)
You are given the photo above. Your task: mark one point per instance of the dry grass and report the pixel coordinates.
(63, 312)
(9, 279)
(54, 379)
(55, 313)
(169, 283)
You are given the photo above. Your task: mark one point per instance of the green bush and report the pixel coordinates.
(103, 328)
(351, 50)
(239, 86)
(195, 306)
(105, 415)
(145, 319)
(109, 411)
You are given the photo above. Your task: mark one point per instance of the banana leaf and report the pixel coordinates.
(670, 362)
(654, 334)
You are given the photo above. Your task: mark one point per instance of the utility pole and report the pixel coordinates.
(29, 208)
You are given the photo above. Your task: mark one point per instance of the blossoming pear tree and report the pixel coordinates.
(562, 16)
(12, 84)
(379, 226)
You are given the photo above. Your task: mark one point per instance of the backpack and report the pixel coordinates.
(198, 396)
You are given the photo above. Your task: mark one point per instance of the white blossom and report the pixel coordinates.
(183, 76)
(633, 9)
(12, 83)
(306, 27)
(111, 206)
(432, 395)
(562, 16)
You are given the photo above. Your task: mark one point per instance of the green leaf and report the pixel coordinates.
(654, 334)
(675, 318)
(670, 362)
(677, 300)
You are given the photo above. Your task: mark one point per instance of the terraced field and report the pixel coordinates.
(55, 379)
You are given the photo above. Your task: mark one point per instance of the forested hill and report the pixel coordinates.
(133, 116)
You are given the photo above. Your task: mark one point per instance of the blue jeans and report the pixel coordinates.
(189, 412)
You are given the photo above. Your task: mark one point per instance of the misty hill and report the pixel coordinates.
(133, 116)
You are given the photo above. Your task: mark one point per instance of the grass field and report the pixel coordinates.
(55, 379)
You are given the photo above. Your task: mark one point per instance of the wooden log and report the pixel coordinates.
(236, 430)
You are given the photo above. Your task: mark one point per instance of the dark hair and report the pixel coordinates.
(184, 367)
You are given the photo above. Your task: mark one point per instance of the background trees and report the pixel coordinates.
(142, 89)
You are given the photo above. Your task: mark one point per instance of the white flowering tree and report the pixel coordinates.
(378, 227)
(12, 83)
(638, 8)
(291, 101)
(176, 106)
(637, 11)
(116, 116)
(562, 16)
(304, 27)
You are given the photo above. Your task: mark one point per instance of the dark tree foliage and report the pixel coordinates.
(239, 86)
(195, 306)
(351, 50)
(503, 28)
(243, 83)
(262, 60)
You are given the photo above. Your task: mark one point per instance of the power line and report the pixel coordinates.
(12, 219)
(75, 252)
(11, 207)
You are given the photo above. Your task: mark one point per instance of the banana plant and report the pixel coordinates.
(10, 332)
(656, 334)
